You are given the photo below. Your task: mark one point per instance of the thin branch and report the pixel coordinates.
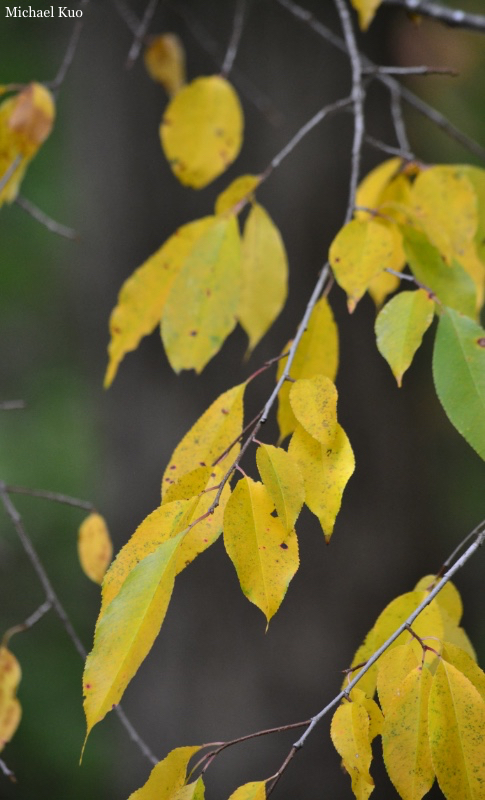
(237, 29)
(397, 115)
(9, 172)
(56, 84)
(29, 622)
(423, 70)
(141, 32)
(358, 97)
(45, 220)
(127, 15)
(453, 17)
(56, 497)
(413, 100)
(7, 772)
(12, 405)
(405, 154)
(56, 604)
(134, 735)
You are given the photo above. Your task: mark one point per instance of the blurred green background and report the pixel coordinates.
(418, 488)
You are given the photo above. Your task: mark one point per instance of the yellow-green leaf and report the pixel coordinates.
(370, 189)
(126, 631)
(314, 404)
(366, 10)
(448, 598)
(143, 296)
(400, 327)
(361, 250)
(317, 354)
(325, 471)
(264, 275)
(457, 734)
(376, 719)
(239, 191)
(26, 120)
(201, 130)
(385, 284)
(350, 736)
(164, 58)
(94, 545)
(217, 428)
(465, 663)
(193, 791)
(445, 205)
(10, 710)
(264, 554)
(159, 526)
(250, 791)
(405, 742)
(283, 480)
(200, 310)
(393, 667)
(167, 777)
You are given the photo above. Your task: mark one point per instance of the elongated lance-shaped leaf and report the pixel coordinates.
(317, 354)
(459, 375)
(200, 311)
(167, 777)
(314, 404)
(126, 631)
(217, 429)
(405, 743)
(349, 731)
(201, 130)
(456, 719)
(143, 295)
(264, 275)
(400, 327)
(283, 480)
(264, 554)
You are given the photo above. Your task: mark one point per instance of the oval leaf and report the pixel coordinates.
(164, 59)
(349, 731)
(314, 404)
(201, 130)
(94, 547)
(400, 327)
(10, 710)
(283, 481)
(459, 375)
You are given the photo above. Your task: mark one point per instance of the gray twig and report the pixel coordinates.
(235, 37)
(7, 772)
(56, 84)
(9, 172)
(141, 32)
(405, 154)
(54, 496)
(12, 405)
(453, 17)
(45, 220)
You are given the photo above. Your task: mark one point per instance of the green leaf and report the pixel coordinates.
(200, 311)
(459, 375)
(450, 283)
(400, 327)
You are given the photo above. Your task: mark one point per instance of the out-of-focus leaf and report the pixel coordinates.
(459, 375)
(164, 58)
(201, 130)
(284, 482)
(200, 310)
(94, 547)
(263, 552)
(317, 354)
(366, 10)
(240, 189)
(370, 189)
(264, 275)
(400, 327)
(167, 777)
(10, 710)
(448, 598)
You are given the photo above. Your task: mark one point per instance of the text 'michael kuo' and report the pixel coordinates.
(44, 13)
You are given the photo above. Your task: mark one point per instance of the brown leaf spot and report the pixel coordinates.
(284, 546)
(481, 341)
(202, 463)
(173, 466)
(193, 333)
(224, 411)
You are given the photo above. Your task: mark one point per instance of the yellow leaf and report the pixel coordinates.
(193, 791)
(207, 530)
(400, 327)
(284, 482)
(94, 547)
(368, 681)
(350, 736)
(455, 635)
(143, 296)
(264, 554)
(361, 250)
(475, 268)
(405, 742)
(162, 524)
(317, 354)
(370, 189)
(396, 200)
(201, 130)
(376, 720)
(464, 663)
(393, 667)
(250, 791)
(382, 286)
(239, 191)
(10, 710)
(325, 471)
(26, 121)
(164, 59)
(457, 734)
(167, 777)
(264, 275)
(445, 205)
(217, 428)
(125, 632)
(314, 404)
(366, 10)
(448, 598)
(428, 625)
(200, 310)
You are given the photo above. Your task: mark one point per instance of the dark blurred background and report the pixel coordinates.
(213, 673)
